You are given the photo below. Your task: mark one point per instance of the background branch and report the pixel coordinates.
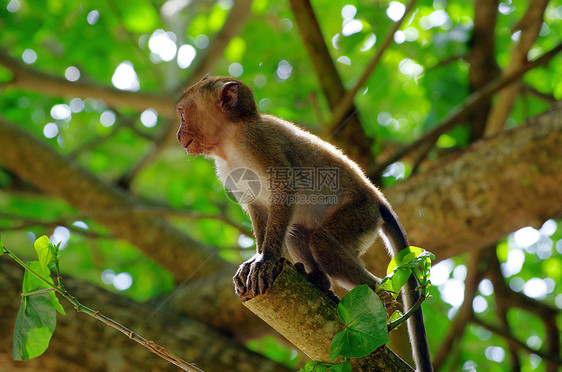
(33, 80)
(529, 26)
(462, 111)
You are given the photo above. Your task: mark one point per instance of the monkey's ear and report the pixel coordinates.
(228, 97)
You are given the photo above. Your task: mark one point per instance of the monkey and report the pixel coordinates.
(313, 200)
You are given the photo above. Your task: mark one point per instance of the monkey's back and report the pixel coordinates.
(301, 149)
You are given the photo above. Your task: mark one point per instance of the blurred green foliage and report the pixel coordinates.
(96, 37)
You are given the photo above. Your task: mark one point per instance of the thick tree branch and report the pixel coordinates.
(494, 188)
(463, 205)
(58, 176)
(82, 344)
(317, 324)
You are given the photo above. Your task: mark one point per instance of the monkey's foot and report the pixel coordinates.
(256, 275)
(320, 280)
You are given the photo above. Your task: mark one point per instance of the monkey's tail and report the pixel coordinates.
(396, 236)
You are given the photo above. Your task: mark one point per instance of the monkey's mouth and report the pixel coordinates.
(187, 144)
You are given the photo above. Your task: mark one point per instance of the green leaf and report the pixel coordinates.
(395, 316)
(394, 282)
(43, 248)
(32, 283)
(140, 17)
(401, 266)
(316, 366)
(35, 324)
(403, 257)
(364, 315)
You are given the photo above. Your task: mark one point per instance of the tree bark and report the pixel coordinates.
(495, 187)
(81, 343)
(317, 322)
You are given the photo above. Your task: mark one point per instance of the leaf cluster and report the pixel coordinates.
(364, 315)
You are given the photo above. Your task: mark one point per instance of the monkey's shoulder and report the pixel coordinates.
(272, 135)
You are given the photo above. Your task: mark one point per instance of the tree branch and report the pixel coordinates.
(530, 26)
(476, 268)
(317, 324)
(30, 79)
(346, 133)
(458, 207)
(236, 18)
(483, 66)
(239, 13)
(345, 104)
(58, 176)
(494, 188)
(460, 113)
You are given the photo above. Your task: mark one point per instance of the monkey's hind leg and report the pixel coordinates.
(298, 245)
(339, 240)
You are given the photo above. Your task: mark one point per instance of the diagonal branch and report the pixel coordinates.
(82, 344)
(476, 267)
(30, 79)
(346, 102)
(348, 132)
(58, 176)
(460, 113)
(529, 26)
(207, 63)
(239, 13)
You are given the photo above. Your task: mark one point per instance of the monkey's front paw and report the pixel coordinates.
(256, 275)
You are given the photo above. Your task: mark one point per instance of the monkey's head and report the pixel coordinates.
(210, 109)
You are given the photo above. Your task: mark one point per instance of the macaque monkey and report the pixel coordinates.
(312, 200)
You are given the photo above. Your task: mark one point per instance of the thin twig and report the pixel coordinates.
(409, 313)
(508, 336)
(150, 345)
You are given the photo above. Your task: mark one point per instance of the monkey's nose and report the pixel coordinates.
(178, 135)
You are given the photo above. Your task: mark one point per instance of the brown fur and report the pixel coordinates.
(219, 119)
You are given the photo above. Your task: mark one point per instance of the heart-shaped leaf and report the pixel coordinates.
(364, 315)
